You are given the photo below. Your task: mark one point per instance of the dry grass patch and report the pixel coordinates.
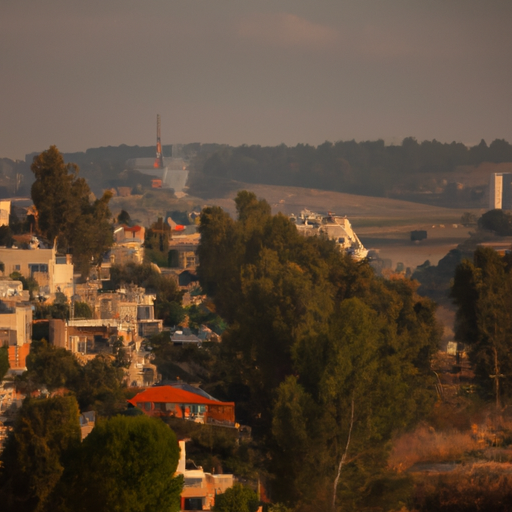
(427, 445)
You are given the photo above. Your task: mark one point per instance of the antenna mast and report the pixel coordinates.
(159, 161)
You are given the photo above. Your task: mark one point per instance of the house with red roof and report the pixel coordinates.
(129, 234)
(170, 401)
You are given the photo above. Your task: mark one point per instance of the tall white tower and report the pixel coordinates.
(500, 191)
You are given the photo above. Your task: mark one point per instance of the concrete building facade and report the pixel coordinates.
(53, 273)
(500, 191)
(16, 332)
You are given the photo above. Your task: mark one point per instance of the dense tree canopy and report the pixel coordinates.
(348, 166)
(46, 431)
(97, 385)
(236, 499)
(65, 213)
(126, 464)
(312, 336)
(51, 366)
(497, 221)
(482, 291)
(367, 167)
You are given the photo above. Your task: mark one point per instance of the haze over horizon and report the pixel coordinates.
(88, 74)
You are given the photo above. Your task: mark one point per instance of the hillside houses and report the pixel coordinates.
(53, 273)
(200, 487)
(127, 313)
(190, 404)
(16, 331)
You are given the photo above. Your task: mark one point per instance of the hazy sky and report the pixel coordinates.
(89, 73)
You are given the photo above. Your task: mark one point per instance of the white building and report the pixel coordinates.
(335, 228)
(5, 212)
(199, 487)
(53, 273)
(500, 191)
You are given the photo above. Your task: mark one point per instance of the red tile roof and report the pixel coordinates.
(133, 229)
(173, 395)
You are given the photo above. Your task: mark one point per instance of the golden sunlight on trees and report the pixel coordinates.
(66, 215)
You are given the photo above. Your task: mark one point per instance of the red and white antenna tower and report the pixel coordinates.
(159, 161)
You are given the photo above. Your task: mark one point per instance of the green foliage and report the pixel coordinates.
(200, 315)
(60, 307)
(156, 243)
(497, 221)
(82, 310)
(32, 463)
(66, 214)
(368, 167)
(121, 357)
(279, 507)
(97, 385)
(124, 218)
(236, 499)
(435, 280)
(126, 464)
(91, 236)
(481, 291)
(100, 386)
(50, 366)
(218, 449)
(310, 332)
(4, 362)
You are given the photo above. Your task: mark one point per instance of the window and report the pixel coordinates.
(37, 267)
(147, 406)
(17, 267)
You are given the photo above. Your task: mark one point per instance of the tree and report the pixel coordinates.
(121, 357)
(100, 386)
(125, 464)
(51, 366)
(91, 236)
(4, 362)
(60, 307)
(45, 433)
(482, 292)
(82, 310)
(65, 214)
(156, 242)
(124, 218)
(325, 359)
(498, 221)
(236, 499)
(55, 193)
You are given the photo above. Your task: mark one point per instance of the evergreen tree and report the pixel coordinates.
(66, 216)
(482, 291)
(236, 499)
(45, 433)
(126, 464)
